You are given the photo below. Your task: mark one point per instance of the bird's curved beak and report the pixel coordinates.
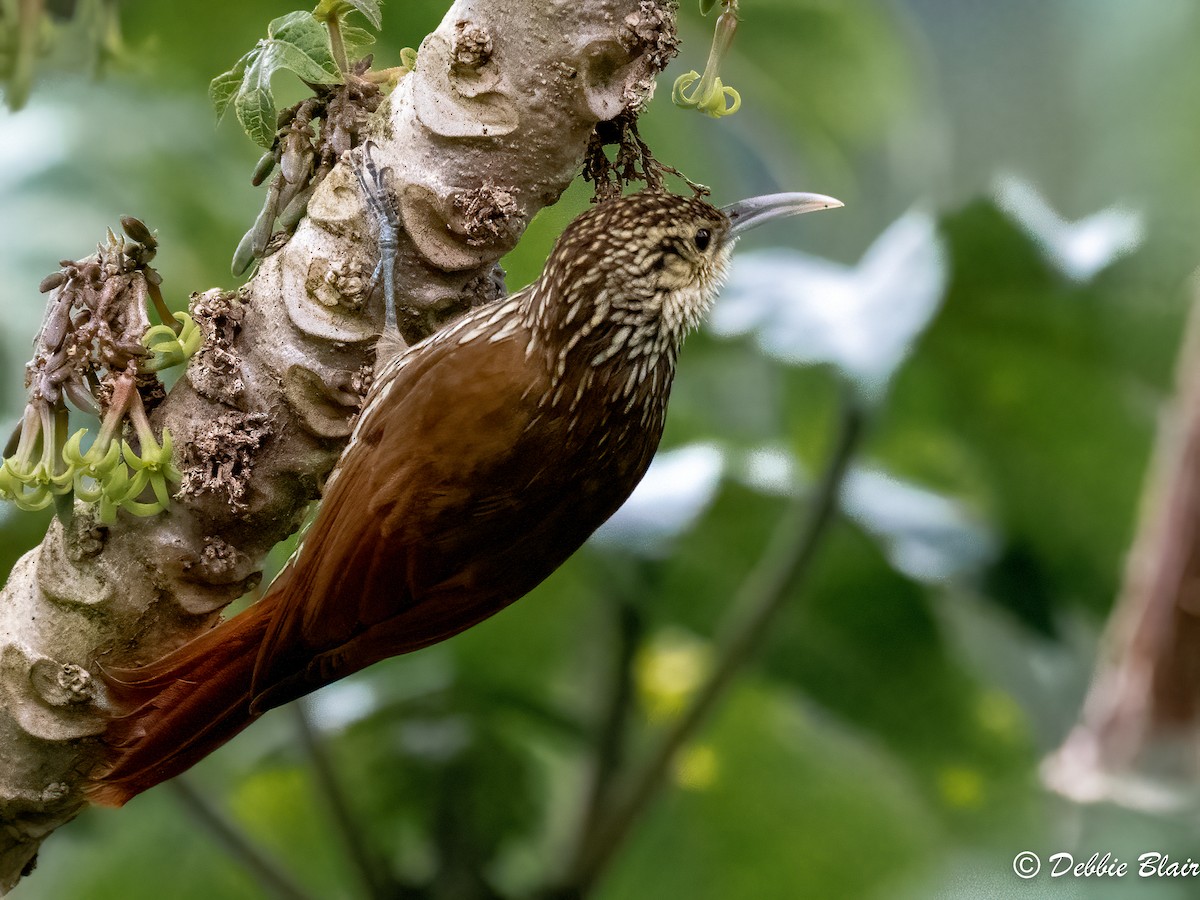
(750, 213)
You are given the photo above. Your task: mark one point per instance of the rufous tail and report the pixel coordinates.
(179, 708)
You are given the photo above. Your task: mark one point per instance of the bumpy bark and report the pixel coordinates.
(489, 128)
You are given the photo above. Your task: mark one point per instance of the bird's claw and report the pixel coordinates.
(379, 203)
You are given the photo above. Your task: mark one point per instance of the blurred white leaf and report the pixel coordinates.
(770, 470)
(1080, 250)
(434, 739)
(862, 319)
(336, 707)
(678, 487)
(927, 536)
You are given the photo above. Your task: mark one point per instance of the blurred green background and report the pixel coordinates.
(886, 743)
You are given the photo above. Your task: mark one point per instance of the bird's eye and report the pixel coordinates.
(702, 238)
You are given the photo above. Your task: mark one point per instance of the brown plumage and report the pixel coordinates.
(483, 458)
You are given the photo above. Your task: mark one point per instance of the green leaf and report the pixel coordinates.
(777, 780)
(370, 10)
(292, 26)
(254, 104)
(328, 9)
(706, 6)
(1015, 327)
(356, 39)
(223, 88)
(300, 43)
(296, 42)
(310, 67)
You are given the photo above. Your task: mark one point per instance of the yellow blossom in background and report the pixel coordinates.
(668, 671)
(961, 787)
(697, 768)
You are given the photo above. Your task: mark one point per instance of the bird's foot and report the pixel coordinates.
(382, 208)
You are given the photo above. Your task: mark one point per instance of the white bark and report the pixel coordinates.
(477, 143)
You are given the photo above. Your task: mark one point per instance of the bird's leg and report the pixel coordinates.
(379, 202)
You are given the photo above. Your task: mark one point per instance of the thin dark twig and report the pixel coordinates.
(774, 581)
(610, 744)
(268, 872)
(374, 881)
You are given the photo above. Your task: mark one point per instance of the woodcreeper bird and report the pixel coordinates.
(483, 457)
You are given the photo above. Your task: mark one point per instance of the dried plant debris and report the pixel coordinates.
(86, 538)
(633, 161)
(219, 563)
(97, 349)
(490, 215)
(361, 380)
(219, 315)
(472, 46)
(651, 32)
(648, 35)
(216, 371)
(343, 283)
(219, 458)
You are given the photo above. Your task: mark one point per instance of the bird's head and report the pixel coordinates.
(643, 270)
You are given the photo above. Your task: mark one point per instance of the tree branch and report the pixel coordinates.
(375, 880)
(610, 741)
(476, 144)
(1136, 739)
(266, 871)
